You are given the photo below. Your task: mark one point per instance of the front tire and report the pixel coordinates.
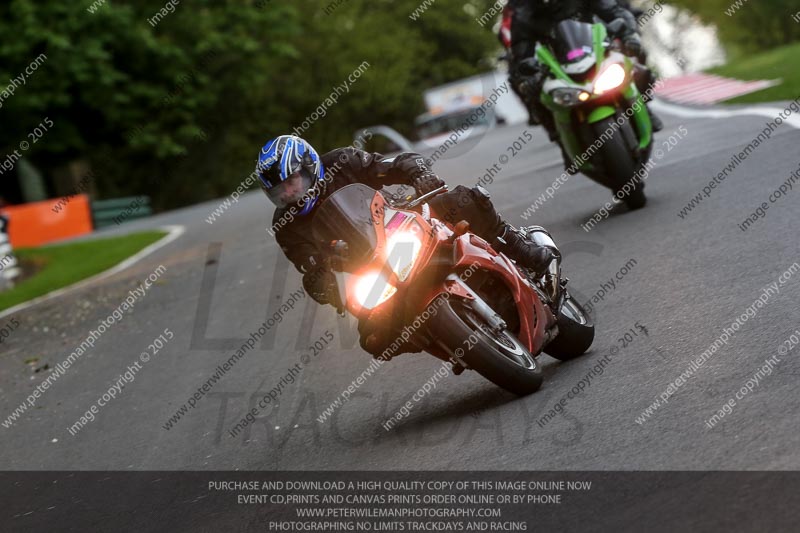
(619, 164)
(575, 332)
(502, 359)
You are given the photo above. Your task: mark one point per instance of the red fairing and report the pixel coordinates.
(535, 318)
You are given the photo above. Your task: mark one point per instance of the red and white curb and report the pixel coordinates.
(704, 89)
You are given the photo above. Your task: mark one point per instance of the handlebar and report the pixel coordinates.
(408, 204)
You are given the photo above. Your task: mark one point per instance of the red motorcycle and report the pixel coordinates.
(458, 299)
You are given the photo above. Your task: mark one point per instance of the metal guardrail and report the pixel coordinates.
(118, 210)
(9, 270)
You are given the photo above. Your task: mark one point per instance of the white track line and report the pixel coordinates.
(690, 112)
(174, 233)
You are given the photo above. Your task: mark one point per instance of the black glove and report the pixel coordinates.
(380, 331)
(374, 335)
(425, 182)
(529, 76)
(633, 45)
(320, 284)
(527, 67)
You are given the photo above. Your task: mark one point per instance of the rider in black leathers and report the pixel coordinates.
(292, 222)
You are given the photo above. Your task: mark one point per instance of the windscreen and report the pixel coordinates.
(572, 41)
(346, 215)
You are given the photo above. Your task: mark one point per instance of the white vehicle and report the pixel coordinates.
(475, 90)
(469, 106)
(433, 130)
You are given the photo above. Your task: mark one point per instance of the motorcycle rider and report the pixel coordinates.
(533, 20)
(296, 179)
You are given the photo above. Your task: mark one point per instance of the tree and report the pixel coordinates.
(175, 104)
(753, 26)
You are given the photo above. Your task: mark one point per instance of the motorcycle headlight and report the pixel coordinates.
(403, 249)
(612, 77)
(372, 289)
(569, 97)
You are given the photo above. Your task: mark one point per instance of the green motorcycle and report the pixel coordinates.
(599, 112)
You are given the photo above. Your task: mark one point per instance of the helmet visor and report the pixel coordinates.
(292, 190)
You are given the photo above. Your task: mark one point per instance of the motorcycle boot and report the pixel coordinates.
(519, 246)
(658, 125)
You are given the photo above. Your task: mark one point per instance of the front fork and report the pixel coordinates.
(457, 287)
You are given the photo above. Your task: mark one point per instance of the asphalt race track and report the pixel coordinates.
(690, 278)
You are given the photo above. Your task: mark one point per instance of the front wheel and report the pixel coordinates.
(575, 332)
(619, 164)
(499, 357)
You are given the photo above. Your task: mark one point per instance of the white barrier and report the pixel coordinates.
(8, 263)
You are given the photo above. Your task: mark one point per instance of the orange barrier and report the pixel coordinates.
(40, 223)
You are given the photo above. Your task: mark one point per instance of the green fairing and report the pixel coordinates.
(599, 113)
(600, 34)
(547, 58)
(640, 116)
(563, 118)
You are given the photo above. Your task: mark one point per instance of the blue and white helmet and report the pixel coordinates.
(291, 172)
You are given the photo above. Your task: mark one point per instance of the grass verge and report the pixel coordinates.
(772, 64)
(62, 265)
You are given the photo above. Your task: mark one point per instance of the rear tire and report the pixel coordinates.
(503, 360)
(575, 332)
